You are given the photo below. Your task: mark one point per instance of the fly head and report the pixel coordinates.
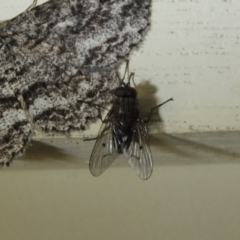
(125, 91)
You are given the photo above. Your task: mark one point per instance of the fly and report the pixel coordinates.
(124, 131)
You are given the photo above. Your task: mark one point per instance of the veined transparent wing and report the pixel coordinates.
(139, 153)
(105, 148)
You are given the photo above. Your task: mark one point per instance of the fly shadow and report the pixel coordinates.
(184, 149)
(56, 153)
(147, 100)
(194, 148)
(167, 149)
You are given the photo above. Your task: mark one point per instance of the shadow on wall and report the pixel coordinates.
(184, 149)
(167, 150)
(195, 148)
(55, 153)
(147, 100)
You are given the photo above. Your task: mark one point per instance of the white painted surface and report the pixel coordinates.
(193, 193)
(190, 53)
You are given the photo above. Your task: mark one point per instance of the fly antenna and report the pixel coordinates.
(131, 76)
(125, 72)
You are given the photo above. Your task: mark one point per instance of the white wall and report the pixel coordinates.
(191, 53)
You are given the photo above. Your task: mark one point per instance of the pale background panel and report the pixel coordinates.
(177, 203)
(193, 193)
(191, 53)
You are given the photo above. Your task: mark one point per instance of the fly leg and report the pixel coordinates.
(152, 109)
(99, 107)
(99, 113)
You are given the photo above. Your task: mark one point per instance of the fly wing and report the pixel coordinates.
(139, 153)
(105, 148)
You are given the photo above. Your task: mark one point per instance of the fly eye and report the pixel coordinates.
(128, 92)
(120, 92)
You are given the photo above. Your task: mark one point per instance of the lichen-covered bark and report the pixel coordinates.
(59, 54)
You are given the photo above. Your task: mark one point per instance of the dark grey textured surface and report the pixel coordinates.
(56, 55)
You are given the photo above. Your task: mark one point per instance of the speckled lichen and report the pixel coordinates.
(57, 55)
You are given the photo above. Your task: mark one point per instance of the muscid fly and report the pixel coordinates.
(123, 131)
